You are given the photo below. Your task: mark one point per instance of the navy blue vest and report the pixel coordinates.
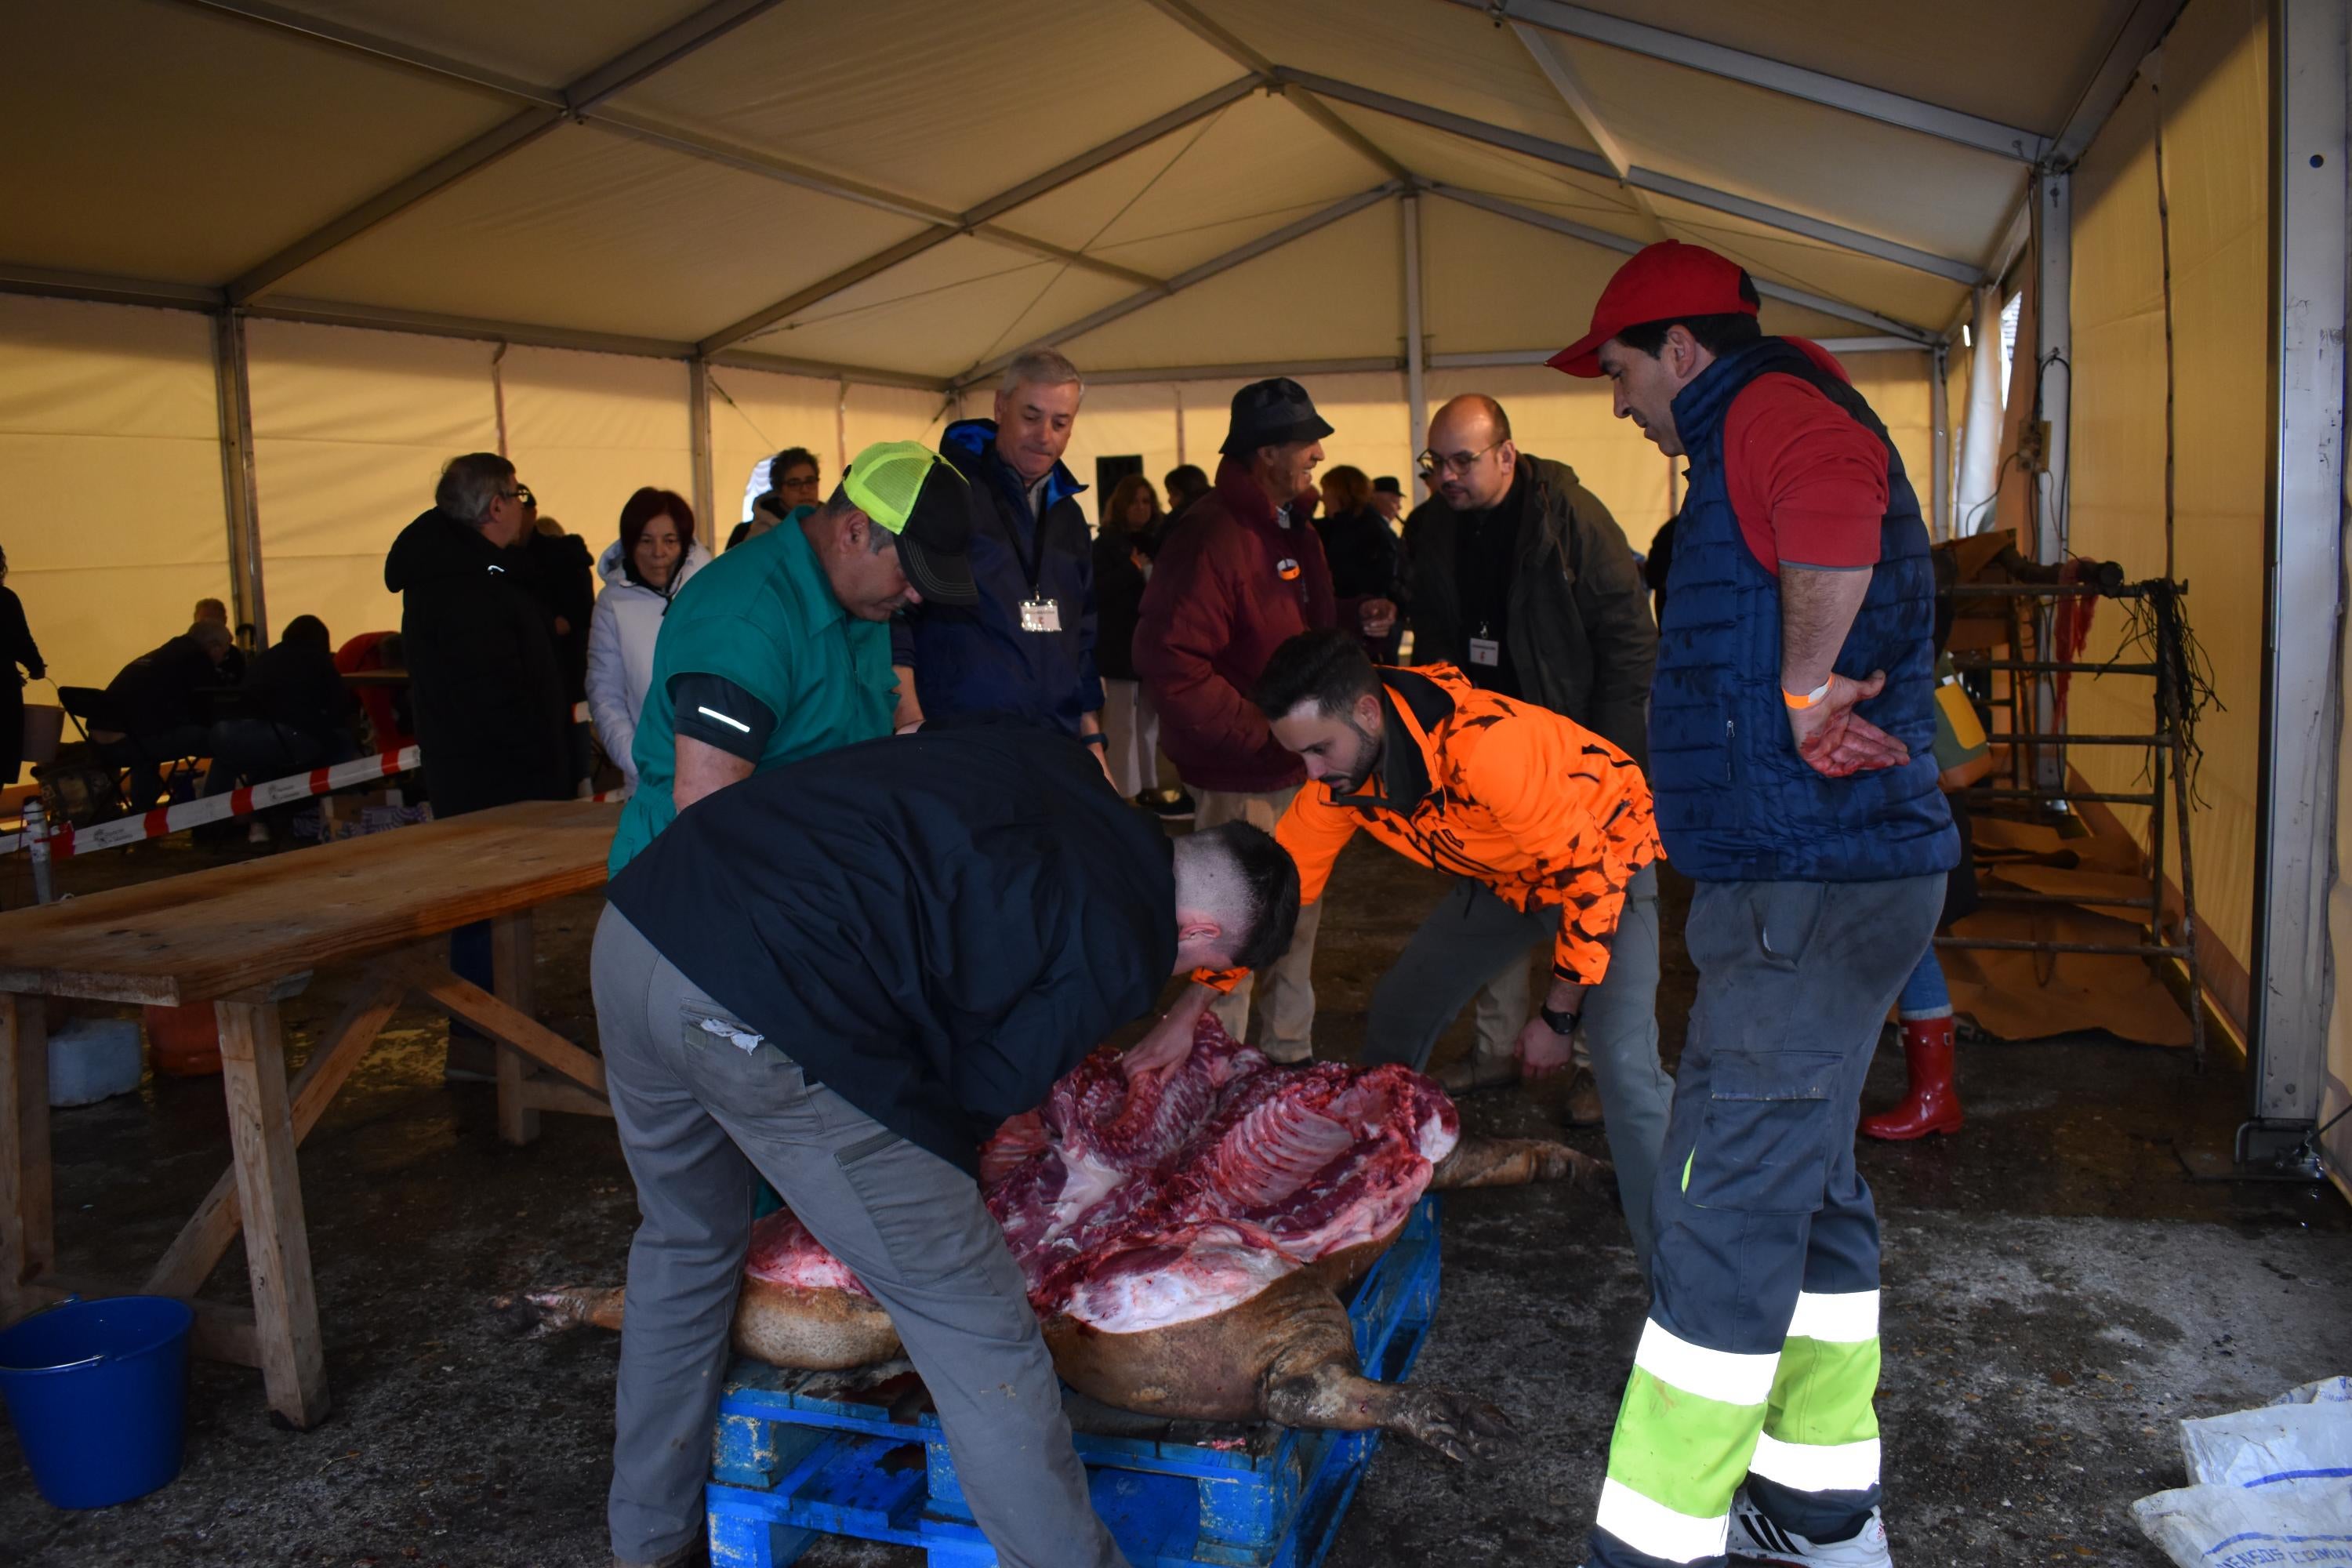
(1735, 801)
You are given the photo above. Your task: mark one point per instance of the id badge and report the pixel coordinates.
(1486, 652)
(1041, 615)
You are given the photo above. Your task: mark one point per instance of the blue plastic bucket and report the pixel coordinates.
(99, 1394)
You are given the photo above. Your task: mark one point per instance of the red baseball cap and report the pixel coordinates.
(1661, 281)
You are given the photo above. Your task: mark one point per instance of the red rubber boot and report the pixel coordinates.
(1934, 1103)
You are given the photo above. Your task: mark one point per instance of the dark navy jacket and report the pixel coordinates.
(976, 658)
(1735, 801)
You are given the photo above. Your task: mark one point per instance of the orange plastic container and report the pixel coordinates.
(184, 1042)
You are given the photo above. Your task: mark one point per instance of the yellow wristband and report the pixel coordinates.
(1808, 699)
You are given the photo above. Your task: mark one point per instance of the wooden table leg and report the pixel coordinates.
(27, 1234)
(270, 1191)
(512, 956)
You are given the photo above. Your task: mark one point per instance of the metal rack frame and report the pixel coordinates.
(2167, 742)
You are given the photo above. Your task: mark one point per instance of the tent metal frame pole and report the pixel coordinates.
(1774, 75)
(2140, 32)
(1416, 391)
(2053, 383)
(616, 75)
(1189, 17)
(233, 392)
(1918, 336)
(698, 416)
(1346, 208)
(1634, 178)
(1939, 419)
(2303, 620)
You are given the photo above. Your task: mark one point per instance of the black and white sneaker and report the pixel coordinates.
(1756, 1539)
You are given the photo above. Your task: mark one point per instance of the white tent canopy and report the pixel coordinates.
(907, 191)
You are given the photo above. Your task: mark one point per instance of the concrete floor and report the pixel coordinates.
(2057, 1294)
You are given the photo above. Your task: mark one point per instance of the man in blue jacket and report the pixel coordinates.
(1790, 725)
(1028, 646)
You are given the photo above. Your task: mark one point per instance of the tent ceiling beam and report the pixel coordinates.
(1183, 13)
(1634, 178)
(1624, 247)
(946, 225)
(617, 75)
(1345, 207)
(1500, 358)
(108, 289)
(2141, 31)
(1773, 76)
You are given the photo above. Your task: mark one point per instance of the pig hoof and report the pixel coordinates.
(1463, 1430)
(1562, 1163)
(537, 1314)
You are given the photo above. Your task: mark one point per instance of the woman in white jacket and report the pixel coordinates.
(642, 571)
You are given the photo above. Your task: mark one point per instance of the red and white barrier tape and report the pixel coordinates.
(66, 839)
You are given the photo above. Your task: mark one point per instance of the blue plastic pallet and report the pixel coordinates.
(800, 1454)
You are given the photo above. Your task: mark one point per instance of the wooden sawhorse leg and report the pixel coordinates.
(270, 1194)
(27, 1220)
(512, 959)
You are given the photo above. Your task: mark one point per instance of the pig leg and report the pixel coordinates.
(1314, 1382)
(821, 1331)
(1513, 1163)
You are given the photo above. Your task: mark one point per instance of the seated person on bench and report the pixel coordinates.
(155, 710)
(298, 713)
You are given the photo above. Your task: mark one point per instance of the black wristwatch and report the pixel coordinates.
(1562, 1024)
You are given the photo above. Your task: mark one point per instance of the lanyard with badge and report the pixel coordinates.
(1039, 613)
(1486, 650)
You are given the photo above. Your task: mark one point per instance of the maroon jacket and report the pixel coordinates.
(1232, 582)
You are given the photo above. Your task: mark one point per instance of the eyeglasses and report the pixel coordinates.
(1453, 463)
(521, 495)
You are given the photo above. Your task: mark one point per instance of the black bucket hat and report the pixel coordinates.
(1272, 413)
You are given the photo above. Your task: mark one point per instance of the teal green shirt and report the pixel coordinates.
(763, 616)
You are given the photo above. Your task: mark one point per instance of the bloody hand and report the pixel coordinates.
(1835, 740)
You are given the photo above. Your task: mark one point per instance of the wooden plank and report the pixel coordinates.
(494, 1018)
(201, 1242)
(221, 1331)
(558, 1094)
(512, 960)
(28, 1240)
(269, 1189)
(211, 933)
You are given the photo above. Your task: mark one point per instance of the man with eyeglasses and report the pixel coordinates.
(1521, 579)
(491, 716)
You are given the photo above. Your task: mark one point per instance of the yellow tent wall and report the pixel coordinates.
(109, 435)
(2213, 108)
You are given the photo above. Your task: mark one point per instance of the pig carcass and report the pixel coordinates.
(1186, 1241)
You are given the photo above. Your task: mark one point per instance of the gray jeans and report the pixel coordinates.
(1458, 950)
(697, 1113)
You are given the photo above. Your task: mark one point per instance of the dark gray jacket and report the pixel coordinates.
(1579, 622)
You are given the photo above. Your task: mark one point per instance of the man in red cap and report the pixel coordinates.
(1790, 727)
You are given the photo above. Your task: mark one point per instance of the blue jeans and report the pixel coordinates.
(1925, 994)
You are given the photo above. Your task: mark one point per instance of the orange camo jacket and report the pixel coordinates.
(1540, 809)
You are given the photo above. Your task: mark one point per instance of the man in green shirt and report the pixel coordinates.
(781, 648)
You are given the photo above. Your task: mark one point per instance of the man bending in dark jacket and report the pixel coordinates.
(844, 973)
(490, 710)
(1522, 579)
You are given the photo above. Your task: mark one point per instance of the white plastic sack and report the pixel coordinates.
(2269, 1486)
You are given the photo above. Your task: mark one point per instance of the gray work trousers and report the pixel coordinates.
(697, 1113)
(1457, 951)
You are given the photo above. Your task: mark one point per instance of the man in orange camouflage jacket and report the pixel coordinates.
(1541, 821)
